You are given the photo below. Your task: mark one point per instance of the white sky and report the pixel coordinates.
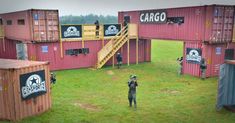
(101, 7)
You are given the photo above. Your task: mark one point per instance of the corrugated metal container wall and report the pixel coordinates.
(38, 25)
(190, 30)
(214, 55)
(45, 25)
(12, 29)
(12, 105)
(8, 49)
(212, 23)
(191, 68)
(82, 61)
(219, 24)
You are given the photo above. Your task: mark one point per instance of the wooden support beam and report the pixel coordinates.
(137, 50)
(83, 36)
(61, 49)
(113, 61)
(3, 43)
(61, 43)
(128, 52)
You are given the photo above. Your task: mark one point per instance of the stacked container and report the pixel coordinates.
(206, 28)
(32, 25)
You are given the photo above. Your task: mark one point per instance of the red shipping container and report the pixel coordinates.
(213, 24)
(32, 25)
(53, 53)
(189, 67)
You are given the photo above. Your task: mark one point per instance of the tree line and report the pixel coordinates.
(88, 19)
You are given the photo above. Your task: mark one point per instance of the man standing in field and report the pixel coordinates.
(132, 84)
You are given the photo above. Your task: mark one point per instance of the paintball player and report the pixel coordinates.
(119, 60)
(203, 67)
(97, 24)
(132, 84)
(180, 60)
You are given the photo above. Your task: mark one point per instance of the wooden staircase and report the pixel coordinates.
(112, 47)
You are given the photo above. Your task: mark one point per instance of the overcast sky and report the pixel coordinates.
(101, 7)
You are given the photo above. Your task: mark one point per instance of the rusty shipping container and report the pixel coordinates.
(24, 89)
(51, 52)
(34, 25)
(215, 55)
(213, 23)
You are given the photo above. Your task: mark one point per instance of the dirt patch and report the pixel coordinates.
(114, 78)
(110, 72)
(86, 106)
(168, 91)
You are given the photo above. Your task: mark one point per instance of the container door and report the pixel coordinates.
(52, 25)
(127, 19)
(45, 25)
(39, 25)
(21, 51)
(222, 24)
(218, 24)
(228, 24)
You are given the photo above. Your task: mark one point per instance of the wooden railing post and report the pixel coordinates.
(137, 50)
(128, 52)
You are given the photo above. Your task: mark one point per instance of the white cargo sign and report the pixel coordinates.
(154, 16)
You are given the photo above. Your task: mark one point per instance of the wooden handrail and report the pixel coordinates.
(112, 43)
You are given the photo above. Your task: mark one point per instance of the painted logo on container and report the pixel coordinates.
(111, 29)
(71, 31)
(193, 55)
(153, 16)
(32, 84)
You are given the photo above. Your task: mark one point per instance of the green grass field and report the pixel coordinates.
(100, 96)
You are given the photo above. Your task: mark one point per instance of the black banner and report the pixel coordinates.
(32, 84)
(71, 31)
(153, 16)
(193, 55)
(111, 29)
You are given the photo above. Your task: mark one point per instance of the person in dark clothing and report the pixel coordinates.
(180, 60)
(97, 24)
(119, 60)
(125, 23)
(132, 84)
(53, 78)
(203, 68)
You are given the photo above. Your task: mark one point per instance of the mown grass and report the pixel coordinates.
(162, 95)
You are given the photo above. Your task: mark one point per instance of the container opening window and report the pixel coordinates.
(1, 22)
(9, 22)
(229, 54)
(127, 19)
(21, 22)
(175, 20)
